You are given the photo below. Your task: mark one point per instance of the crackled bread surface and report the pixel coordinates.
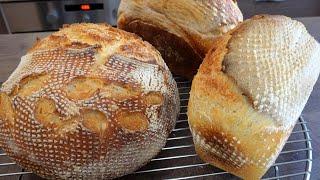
(249, 92)
(88, 101)
(182, 30)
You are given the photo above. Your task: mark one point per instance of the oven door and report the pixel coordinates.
(33, 16)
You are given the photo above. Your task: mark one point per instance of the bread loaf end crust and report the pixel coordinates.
(178, 54)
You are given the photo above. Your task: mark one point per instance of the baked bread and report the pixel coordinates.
(183, 31)
(249, 92)
(88, 102)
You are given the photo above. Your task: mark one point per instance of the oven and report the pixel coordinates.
(37, 16)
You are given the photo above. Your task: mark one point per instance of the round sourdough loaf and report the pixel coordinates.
(249, 92)
(87, 102)
(182, 30)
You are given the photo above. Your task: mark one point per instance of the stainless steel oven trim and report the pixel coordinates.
(5, 19)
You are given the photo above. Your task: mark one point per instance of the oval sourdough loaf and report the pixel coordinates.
(249, 92)
(88, 102)
(183, 31)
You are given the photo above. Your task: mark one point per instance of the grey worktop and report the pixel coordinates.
(12, 47)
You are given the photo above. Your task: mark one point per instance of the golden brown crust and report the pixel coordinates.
(140, 122)
(6, 111)
(30, 84)
(228, 131)
(183, 31)
(85, 101)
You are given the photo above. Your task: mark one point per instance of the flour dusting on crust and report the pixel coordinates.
(88, 101)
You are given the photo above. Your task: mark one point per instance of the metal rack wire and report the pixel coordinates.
(178, 160)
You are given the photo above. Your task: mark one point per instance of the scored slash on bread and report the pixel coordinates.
(87, 102)
(249, 92)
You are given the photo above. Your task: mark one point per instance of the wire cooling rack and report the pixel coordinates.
(178, 160)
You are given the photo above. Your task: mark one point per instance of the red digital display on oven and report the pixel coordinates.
(85, 7)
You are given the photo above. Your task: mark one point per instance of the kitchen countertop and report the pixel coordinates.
(13, 46)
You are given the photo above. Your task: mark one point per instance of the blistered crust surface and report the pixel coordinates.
(89, 101)
(229, 130)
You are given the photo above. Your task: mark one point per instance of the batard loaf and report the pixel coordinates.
(88, 102)
(249, 92)
(182, 30)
